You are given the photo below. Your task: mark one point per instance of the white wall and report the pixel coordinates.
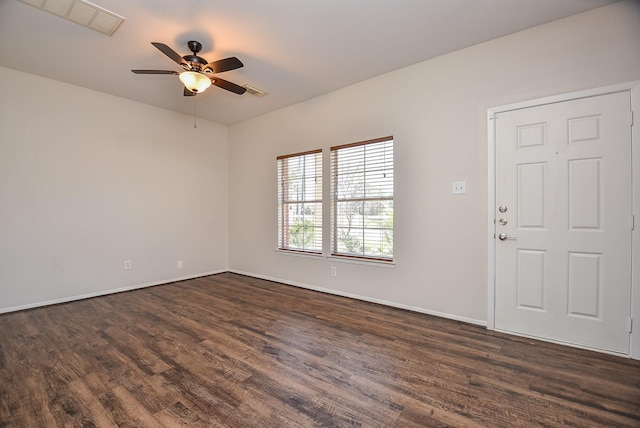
(88, 180)
(436, 110)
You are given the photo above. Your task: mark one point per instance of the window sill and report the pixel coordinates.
(359, 261)
(299, 254)
(340, 259)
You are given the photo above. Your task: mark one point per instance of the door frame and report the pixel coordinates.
(634, 89)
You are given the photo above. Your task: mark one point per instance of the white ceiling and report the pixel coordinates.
(293, 49)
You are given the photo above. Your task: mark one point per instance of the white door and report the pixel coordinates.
(564, 221)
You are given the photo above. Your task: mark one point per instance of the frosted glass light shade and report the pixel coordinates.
(195, 82)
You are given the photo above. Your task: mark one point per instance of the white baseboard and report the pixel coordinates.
(365, 298)
(105, 292)
(268, 278)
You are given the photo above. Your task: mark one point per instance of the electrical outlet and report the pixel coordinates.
(333, 271)
(180, 264)
(127, 264)
(459, 187)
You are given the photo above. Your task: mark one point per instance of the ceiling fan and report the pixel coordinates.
(198, 72)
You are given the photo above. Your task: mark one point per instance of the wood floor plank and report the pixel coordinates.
(233, 351)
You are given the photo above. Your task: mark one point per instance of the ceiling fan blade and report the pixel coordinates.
(188, 93)
(225, 84)
(223, 65)
(155, 72)
(169, 52)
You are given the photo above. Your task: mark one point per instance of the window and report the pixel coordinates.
(300, 202)
(362, 199)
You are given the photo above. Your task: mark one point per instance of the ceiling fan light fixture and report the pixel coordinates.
(194, 81)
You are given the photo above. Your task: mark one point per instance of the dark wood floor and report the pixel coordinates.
(233, 351)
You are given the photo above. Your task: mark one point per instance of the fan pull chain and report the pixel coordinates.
(194, 111)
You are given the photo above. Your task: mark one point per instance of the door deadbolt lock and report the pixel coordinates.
(502, 209)
(503, 222)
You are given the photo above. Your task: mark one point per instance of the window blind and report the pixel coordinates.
(362, 199)
(300, 201)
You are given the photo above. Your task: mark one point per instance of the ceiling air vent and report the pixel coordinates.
(254, 91)
(81, 12)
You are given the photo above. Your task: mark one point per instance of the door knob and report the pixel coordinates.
(504, 237)
(503, 221)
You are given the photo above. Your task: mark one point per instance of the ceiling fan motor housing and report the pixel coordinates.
(194, 61)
